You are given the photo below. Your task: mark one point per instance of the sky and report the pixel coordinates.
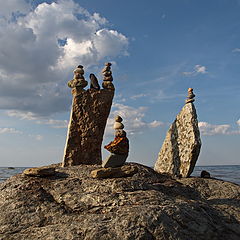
(158, 50)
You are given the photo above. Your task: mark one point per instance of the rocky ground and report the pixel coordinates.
(72, 205)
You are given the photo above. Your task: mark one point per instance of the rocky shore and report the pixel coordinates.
(148, 205)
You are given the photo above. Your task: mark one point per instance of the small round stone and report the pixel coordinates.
(118, 125)
(118, 119)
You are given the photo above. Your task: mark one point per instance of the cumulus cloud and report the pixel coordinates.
(41, 48)
(55, 123)
(198, 69)
(133, 119)
(137, 96)
(211, 129)
(9, 130)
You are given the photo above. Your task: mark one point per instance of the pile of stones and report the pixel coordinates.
(107, 77)
(190, 97)
(78, 81)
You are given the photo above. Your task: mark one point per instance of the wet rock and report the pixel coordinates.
(181, 147)
(146, 205)
(40, 171)
(205, 174)
(124, 171)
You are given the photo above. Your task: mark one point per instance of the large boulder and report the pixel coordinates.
(90, 110)
(147, 205)
(181, 147)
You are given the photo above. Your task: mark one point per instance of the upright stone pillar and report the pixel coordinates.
(181, 147)
(90, 110)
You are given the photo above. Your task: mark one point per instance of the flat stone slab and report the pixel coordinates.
(40, 172)
(118, 172)
(114, 160)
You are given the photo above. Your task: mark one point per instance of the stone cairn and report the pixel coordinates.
(78, 82)
(88, 118)
(181, 147)
(118, 148)
(190, 97)
(107, 77)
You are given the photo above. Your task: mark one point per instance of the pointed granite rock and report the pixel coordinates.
(181, 147)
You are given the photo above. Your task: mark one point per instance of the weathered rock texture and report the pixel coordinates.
(124, 171)
(148, 205)
(181, 146)
(90, 110)
(40, 171)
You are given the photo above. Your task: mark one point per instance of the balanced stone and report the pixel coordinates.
(78, 81)
(107, 77)
(190, 97)
(181, 146)
(90, 110)
(40, 172)
(118, 125)
(118, 148)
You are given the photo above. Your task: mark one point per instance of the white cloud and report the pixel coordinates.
(55, 123)
(210, 129)
(13, 6)
(43, 46)
(39, 137)
(238, 122)
(133, 119)
(9, 130)
(135, 97)
(198, 69)
(236, 50)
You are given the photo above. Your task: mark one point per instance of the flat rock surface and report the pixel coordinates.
(124, 171)
(148, 205)
(40, 171)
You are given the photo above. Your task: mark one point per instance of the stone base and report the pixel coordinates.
(114, 160)
(124, 171)
(40, 172)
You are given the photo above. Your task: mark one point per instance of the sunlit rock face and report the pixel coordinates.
(90, 110)
(181, 147)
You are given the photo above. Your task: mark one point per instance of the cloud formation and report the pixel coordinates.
(41, 47)
(54, 123)
(211, 129)
(133, 119)
(9, 130)
(198, 69)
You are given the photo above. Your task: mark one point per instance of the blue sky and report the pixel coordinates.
(159, 49)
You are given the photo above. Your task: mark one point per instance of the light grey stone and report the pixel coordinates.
(181, 146)
(114, 160)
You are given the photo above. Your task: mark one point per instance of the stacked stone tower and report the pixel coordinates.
(90, 110)
(107, 77)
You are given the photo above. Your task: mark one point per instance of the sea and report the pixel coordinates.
(229, 173)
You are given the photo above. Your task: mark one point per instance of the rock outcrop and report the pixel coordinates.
(40, 171)
(181, 146)
(116, 172)
(147, 205)
(90, 110)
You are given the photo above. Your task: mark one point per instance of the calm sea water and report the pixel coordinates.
(229, 173)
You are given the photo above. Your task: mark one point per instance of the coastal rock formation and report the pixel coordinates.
(124, 171)
(181, 146)
(90, 110)
(40, 171)
(147, 205)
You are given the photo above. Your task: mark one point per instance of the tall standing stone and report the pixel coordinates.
(181, 147)
(90, 110)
